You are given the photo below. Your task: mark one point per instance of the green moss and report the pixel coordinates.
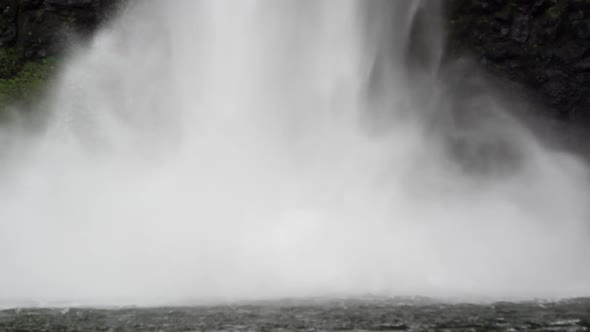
(27, 83)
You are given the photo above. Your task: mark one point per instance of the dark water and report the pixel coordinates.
(386, 315)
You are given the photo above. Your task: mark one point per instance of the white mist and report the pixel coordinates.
(216, 149)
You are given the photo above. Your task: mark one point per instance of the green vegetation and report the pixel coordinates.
(27, 83)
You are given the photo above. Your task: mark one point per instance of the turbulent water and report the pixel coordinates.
(218, 149)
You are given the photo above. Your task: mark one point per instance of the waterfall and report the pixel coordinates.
(202, 150)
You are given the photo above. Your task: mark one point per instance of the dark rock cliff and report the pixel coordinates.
(542, 44)
(41, 28)
(33, 33)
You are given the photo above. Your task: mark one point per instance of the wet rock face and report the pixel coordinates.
(48, 25)
(543, 44)
(42, 28)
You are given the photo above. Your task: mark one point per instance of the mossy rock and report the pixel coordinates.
(28, 83)
(10, 62)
